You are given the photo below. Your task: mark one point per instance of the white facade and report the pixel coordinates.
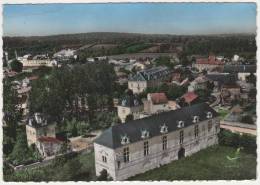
(123, 112)
(137, 86)
(37, 63)
(242, 76)
(134, 158)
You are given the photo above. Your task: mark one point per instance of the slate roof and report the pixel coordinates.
(222, 78)
(150, 74)
(130, 101)
(39, 120)
(239, 69)
(111, 137)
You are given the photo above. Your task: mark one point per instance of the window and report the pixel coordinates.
(146, 148)
(125, 140)
(144, 134)
(104, 159)
(126, 154)
(164, 142)
(118, 164)
(209, 126)
(196, 131)
(181, 136)
(164, 129)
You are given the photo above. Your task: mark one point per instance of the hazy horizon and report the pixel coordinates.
(140, 18)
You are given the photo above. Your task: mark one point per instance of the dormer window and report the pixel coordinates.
(180, 124)
(209, 115)
(125, 140)
(145, 134)
(195, 119)
(123, 102)
(164, 129)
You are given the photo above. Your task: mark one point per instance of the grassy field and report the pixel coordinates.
(223, 113)
(208, 164)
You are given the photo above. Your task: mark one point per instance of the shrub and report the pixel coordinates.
(248, 142)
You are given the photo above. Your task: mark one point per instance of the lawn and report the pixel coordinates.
(85, 171)
(208, 164)
(223, 113)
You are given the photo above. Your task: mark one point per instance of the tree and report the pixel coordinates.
(251, 79)
(12, 116)
(16, 66)
(129, 117)
(184, 59)
(21, 152)
(247, 119)
(103, 176)
(71, 170)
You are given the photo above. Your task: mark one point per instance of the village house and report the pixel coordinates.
(230, 92)
(129, 149)
(38, 126)
(129, 105)
(200, 83)
(188, 98)
(219, 79)
(48, 146)
(148, 78)
(156, 102)
(242, 71)
(207, 64)
(38, 63)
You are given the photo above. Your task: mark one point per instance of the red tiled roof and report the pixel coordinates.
(211, 61)
(158, 98)
(49, 139)
(189, 97)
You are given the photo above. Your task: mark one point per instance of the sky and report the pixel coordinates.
(155, 18)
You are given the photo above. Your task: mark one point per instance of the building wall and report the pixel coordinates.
(137, 86)
(47, 149)
(122, 112)
(209, 67)
(34, 133)
(242, 76)
(139, 163)
(110, 165)
(151, 108)
(36, 63)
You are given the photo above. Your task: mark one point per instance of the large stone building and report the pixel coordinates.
(128, 149)
(39, 126)
(148, 78)
(208, 64)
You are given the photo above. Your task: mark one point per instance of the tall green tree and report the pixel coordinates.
(16, 66)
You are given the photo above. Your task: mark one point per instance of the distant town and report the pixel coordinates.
(118, 106)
